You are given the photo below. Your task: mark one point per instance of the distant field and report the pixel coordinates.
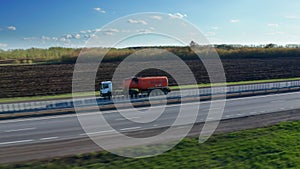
(56, 79)
(40, 72)
(272, 147)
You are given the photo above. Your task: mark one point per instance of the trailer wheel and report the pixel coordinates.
(156, 92)
(166, 90)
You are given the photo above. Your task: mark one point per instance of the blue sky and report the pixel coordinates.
(69, 23)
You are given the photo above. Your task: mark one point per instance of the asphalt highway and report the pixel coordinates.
(31, 131)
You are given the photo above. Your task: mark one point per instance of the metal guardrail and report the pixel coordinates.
(11, 108)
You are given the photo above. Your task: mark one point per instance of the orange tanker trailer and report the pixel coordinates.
(145, 85)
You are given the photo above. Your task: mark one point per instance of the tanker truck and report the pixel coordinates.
(137, 85)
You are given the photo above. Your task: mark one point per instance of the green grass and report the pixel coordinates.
(233, 83)
(271, 147)
(58, 96)
(25, 64)
(97, 93)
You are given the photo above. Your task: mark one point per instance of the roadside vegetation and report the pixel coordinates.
(271, 147)
(69, 55)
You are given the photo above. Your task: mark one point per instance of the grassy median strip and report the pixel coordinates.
(97, 93)
(271, 147)
(234, 83)
(49, 97)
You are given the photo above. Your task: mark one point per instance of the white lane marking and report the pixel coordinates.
(277, 101)
(98, 132)
(131, 118)
(14, 142)
(24, 129)
(130, 128)
(174, 105)
(49, 138)
(211, 109)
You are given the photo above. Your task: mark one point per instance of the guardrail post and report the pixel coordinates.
(5, 107)
(35, 105)
(39, 105)
(31, 107)
(21, 106)
(10, 107)
(15, 106)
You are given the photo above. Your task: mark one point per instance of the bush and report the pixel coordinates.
(16, 61)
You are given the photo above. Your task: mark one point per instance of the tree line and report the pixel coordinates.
(69, 55)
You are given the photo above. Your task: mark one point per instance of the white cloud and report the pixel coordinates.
(156, 17)
(292, 17)
(77, 36)
(86, 31)
(11, 28)
(114, 30)
(132, 21)
(92, 35)
(63, 39)
(274, 25)
(30, 38)
(211, 34)
(125, 31)
(55, 38)
(3, 45)
(145, 31)
(69, 36)
(178, 15)
(111, 31)
(99, 10)
(45, 38)
(276, 33)
(215, 28)
(234, 20)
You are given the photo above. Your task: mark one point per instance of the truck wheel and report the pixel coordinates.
(166, 91)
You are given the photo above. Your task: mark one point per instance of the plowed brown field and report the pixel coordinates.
(32, 80)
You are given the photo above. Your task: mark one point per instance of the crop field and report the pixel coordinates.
(51, 79)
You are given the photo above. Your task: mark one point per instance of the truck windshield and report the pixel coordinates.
(104, 86)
